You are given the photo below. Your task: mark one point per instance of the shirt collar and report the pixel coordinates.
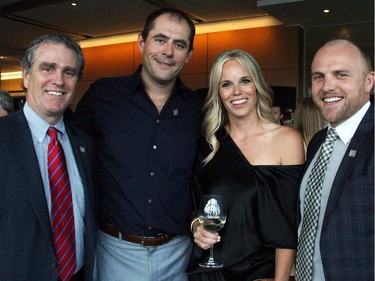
(39, 126)
(347, 129)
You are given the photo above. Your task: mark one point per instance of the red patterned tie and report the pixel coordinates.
(61, 208)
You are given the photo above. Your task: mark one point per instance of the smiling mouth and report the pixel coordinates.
(55, 93)
(164, 63)
(332, 99)
(241, 101)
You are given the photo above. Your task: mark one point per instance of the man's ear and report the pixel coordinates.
(141, 43)
(188, 56)
(25, 78)
(370, 80)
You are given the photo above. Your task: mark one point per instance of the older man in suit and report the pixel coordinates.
(336, 233)
(47, 222)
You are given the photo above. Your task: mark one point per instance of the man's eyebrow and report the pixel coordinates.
(316, 72)
(160, 35)
(341, 70)
(69, 68)
(47, 64)
(54, 65)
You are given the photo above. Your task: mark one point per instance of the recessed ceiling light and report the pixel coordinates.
(326, 11)
(73, 3)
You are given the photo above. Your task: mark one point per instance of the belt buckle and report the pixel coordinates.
(163, 237)
(143, 242)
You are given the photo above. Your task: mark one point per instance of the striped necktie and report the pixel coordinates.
(61, 208)
(311, 209)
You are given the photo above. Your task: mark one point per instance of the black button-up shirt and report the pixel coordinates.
(146, 158)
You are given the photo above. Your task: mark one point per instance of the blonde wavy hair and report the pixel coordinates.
(216, 116)
(308, 119)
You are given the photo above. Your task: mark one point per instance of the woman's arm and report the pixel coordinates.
(284, 260)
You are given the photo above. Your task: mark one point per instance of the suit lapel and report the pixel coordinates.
(358, 145)
(24, 151)
(314, 146)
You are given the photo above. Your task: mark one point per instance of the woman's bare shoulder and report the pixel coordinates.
(289, 143)
(286, 133)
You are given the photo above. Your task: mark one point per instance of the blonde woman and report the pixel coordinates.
(255, 165)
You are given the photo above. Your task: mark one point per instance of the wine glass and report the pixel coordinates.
(212, 218)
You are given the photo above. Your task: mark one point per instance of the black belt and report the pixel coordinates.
(145, 241)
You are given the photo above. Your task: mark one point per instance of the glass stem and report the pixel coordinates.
(211, 258)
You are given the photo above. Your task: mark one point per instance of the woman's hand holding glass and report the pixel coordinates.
(211, 217)
(203, 238)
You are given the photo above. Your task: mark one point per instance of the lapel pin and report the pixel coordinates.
(82, 149)
(175, 112)
(352, 153)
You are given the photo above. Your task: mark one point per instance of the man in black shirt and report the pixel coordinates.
(147, 126)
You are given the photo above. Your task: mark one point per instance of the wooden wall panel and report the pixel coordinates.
(281, 77)
(276, 49)
(13, 85)
(198, 62)
(107, 61)
(273, 47)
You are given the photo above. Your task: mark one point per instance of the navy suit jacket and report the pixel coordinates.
(347, 238)
(26, 243)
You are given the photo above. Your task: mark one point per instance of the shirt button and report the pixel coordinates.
(152, 174)
(154, 146)
(157, 121)
(149, 201)
(150, 228)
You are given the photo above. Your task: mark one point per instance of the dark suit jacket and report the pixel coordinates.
(347, 239)
(26, 242)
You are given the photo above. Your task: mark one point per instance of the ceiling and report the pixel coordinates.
(21, 21)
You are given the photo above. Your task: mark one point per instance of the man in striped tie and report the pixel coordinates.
(47, 221)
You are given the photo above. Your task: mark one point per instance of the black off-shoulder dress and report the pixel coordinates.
(261, 204)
